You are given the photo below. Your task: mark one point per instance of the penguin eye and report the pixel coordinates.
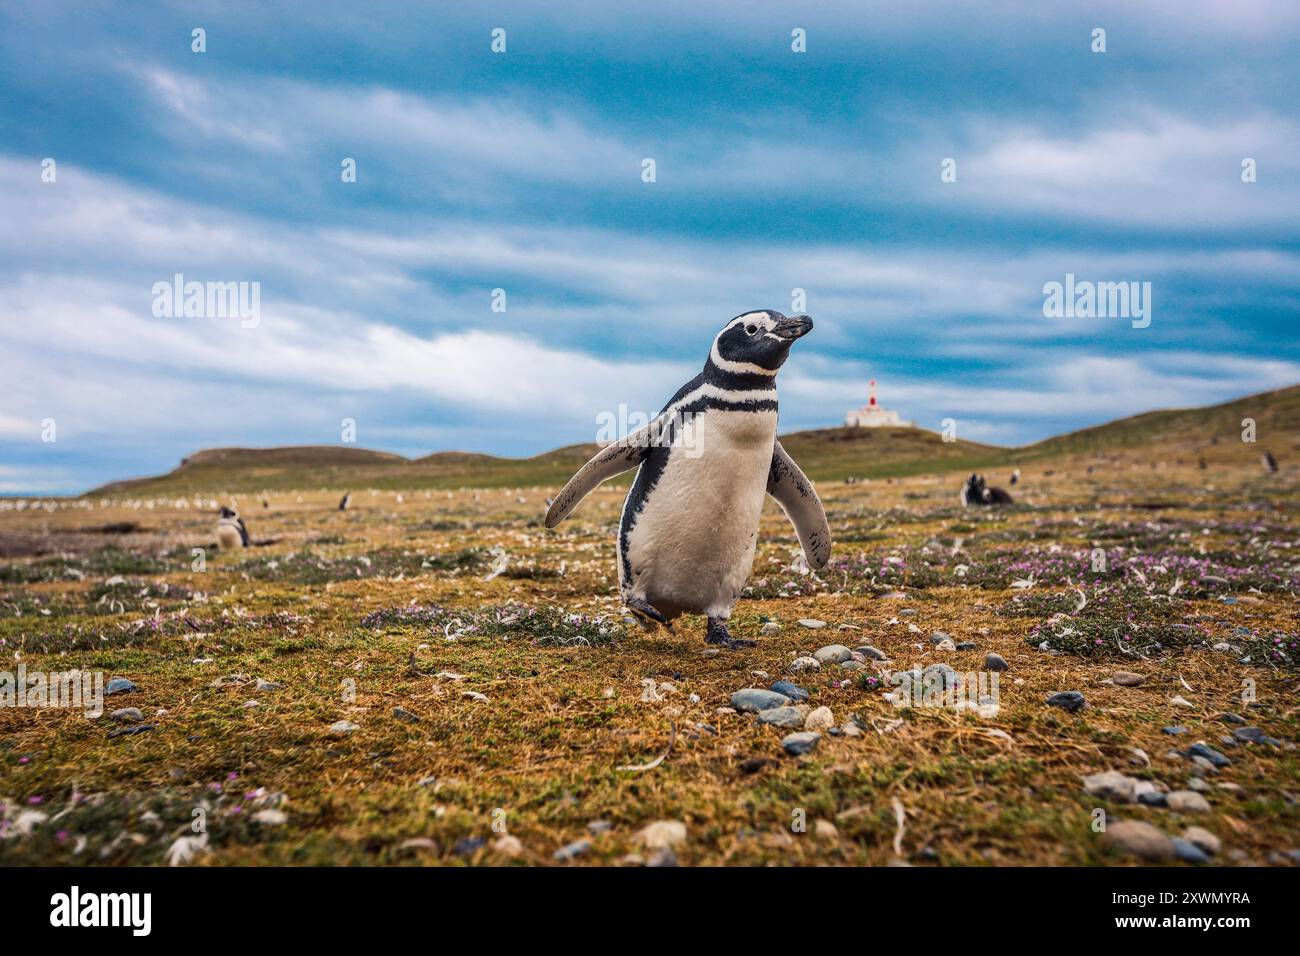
(751, 329)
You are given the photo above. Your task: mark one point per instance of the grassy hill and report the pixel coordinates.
(830, 454)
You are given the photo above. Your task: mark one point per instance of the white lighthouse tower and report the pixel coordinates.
(872, 415)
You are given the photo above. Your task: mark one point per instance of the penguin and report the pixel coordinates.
(231, 532)
(689, 524)
(1270, 463)
(976, 492)
(1015, 476)
(343, 503)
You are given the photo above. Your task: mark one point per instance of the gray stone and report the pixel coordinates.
(1127, 678)
(401, 713)
(1070, 700)
(967, 646)
(938, 637)
(571, 851)
(1173, 731)
(133, 729)
(995, 662)
(1256, 736)
(872, 653)
(798, 744)
(1141, 840)
(1111, 785)
(787, 718)
(753, 700)
(940, 675)
(1232, 718)
(1189, 852)
(770, 628)
(791, 690)
(1204, 839)
(852, 666)
(1187, 801)
(128, 715)
(832, 654)
(119, 685)
(1151, 798)
(1202, 749)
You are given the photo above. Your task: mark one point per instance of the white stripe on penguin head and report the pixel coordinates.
(757, 318)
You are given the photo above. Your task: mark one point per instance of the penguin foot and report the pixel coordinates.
(646, 612)
(717, 634)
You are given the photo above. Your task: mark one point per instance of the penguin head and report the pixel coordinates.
(229, 513)
(757, 342)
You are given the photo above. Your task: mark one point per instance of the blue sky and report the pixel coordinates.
(522, 171)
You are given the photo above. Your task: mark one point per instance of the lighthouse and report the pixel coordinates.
(873, 415)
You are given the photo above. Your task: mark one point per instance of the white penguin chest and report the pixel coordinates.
(691, 546)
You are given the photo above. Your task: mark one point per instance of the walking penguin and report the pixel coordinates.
(690, 521)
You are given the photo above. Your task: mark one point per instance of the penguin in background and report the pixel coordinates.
(231, 532)
(976, 492)
(689, 524)
(346, 499)
(1015, 476)
(1270, 463)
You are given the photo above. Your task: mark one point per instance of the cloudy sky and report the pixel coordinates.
(522, 171)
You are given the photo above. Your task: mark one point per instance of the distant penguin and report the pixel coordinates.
(265, 502)
(976, 492)
(346, 499)
(1015, 476)
(231, 532)
(690, 521)
(1270, 463)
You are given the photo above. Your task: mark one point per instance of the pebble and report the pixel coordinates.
(820, 719)
(468, 846)
(753, 700)
(1256, 736)
(571, 851)
(1202, 749)
(1070, 700)
(343, 727)
(597, 827)
(832, 654)
(1199, 785)
(267, 685)
(1204, 839)
(770, 628)
(872, 653)
(1111, 785)
(787, 718)
(1140, 839)
(938, 637)
(791, 690)
(401, 713)
(805, 664)
(1189, 852)
(1127, 678)
(128, 715)
(852, 665)
(662, 835)
(967, 646)
(1232, 718)
(798, 744)
(995, 662)
(811, 622)
(941, 675)
(1182, 702)
(945, 646)
(1188, 801)
(119, 685)
(1173, 731)
(1152, 798)
(825, 830)
(508, 845)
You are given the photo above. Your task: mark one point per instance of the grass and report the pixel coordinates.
(522, 691)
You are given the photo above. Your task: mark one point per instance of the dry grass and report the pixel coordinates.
(563, 715)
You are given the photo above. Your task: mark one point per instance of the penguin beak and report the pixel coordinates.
(794, 327)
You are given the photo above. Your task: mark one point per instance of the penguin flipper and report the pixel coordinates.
(612, 460)
(792, 490)
(243, 532)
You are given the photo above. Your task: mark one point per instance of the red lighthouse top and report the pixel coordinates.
(871, 403)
